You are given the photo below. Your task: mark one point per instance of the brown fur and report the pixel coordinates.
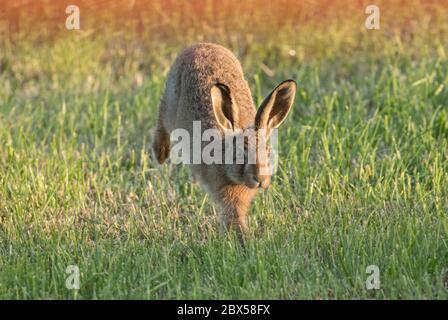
(206, 83)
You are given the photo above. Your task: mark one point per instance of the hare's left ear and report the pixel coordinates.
(276, 106)
(224, 107)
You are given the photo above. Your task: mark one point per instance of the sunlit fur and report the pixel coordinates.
(206, 83)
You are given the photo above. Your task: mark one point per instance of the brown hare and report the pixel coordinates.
(206, 84)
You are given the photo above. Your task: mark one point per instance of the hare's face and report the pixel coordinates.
(251, 165)
(254, 169)
(253, 178)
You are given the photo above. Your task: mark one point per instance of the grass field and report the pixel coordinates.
(362, 178)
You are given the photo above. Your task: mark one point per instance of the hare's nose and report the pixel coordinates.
(256, 180)
(263, 182)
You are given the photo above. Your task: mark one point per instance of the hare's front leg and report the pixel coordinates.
(230, 218)
(234, 202)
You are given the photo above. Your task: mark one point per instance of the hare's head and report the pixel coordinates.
(250, 155)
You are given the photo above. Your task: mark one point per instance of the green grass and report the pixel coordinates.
(362, 178)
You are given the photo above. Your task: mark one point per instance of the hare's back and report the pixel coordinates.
(192, 76)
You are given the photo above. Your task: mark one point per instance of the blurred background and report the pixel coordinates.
(132, 40)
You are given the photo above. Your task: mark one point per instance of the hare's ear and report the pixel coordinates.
(226, 112)
(276, 106)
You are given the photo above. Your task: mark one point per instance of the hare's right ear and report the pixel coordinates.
(226, 112)
(275, 108)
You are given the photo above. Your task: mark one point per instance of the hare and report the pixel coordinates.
(206, 84)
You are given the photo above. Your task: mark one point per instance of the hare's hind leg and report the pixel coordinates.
(161, 145)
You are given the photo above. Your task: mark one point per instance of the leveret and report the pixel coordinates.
(206, 83)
